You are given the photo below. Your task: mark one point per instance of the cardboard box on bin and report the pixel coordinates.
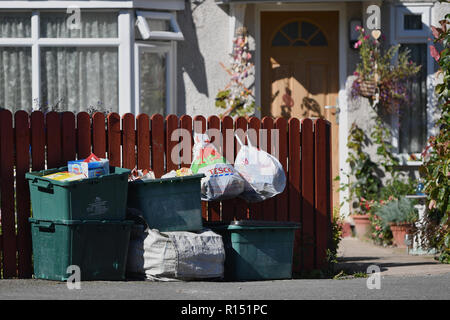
(90, 167)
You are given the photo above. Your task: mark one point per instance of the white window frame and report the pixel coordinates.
(169, 48)
(148, 34)
(128, 99)
(399, 35)
(36, 43)
(414, 9)
(158, 41)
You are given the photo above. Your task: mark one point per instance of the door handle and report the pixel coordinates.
(333, 107)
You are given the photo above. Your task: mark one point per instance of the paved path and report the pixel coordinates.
(357, 255)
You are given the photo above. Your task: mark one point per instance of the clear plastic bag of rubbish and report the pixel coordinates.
(263, 174)
(221, 180)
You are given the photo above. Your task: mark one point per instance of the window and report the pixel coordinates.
(412, 126)
(15, 61)
(15, 78)
(155, 58)
(157, 26)
(413, 120)
(92, 25)
(45, 62)
(69, 74)
(154, 78)
(15, 24)
(76, 78)
(299, 34)
(412, 21)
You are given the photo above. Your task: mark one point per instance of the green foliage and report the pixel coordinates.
(238, 106)
(363, 178)
(401, 210)
(436, 168)
(336, 237)
(397, 188)
(382, 138)
(343, 275)
(380, 231)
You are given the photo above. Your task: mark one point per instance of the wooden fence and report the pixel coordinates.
(32, 142)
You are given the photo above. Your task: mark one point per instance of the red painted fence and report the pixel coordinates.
(37, 141)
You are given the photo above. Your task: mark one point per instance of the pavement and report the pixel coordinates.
(355, 255)
(401, 277)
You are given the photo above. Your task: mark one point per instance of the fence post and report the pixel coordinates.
(321, 190)
(7, 194)
(22, 142)
(295, 200)
(308, 232)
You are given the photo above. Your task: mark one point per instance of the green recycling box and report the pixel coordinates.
(97, 198)
(168, 204)
(257, 250)
(98, 248)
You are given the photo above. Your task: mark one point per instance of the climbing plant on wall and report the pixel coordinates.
(436, 167)
(236, 98)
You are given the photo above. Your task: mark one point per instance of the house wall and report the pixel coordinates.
(205, 26)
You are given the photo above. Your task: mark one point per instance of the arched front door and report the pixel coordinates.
(299, 68)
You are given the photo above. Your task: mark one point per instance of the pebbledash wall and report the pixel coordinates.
(205, 26)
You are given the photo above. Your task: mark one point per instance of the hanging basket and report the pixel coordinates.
(367, 88)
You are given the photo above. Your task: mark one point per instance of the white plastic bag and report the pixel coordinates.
(263, 174)
(221, 180)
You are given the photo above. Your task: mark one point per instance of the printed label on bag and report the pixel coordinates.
(98, 207)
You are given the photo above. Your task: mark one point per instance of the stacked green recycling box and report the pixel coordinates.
(80, 223)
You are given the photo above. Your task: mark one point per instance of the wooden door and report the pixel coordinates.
(299, 69)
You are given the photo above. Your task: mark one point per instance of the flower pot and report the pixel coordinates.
(362, 226)
(399, 231)
(367, 88)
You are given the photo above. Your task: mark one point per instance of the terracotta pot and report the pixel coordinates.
(362, 226)
(399, 231)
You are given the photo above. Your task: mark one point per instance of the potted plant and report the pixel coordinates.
(400, 215)
(361, 218)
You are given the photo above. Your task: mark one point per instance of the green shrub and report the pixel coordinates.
(397, 211)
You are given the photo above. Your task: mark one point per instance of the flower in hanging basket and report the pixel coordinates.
(383, 74)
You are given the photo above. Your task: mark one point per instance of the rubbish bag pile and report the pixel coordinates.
(256, 175)
(221, 180)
